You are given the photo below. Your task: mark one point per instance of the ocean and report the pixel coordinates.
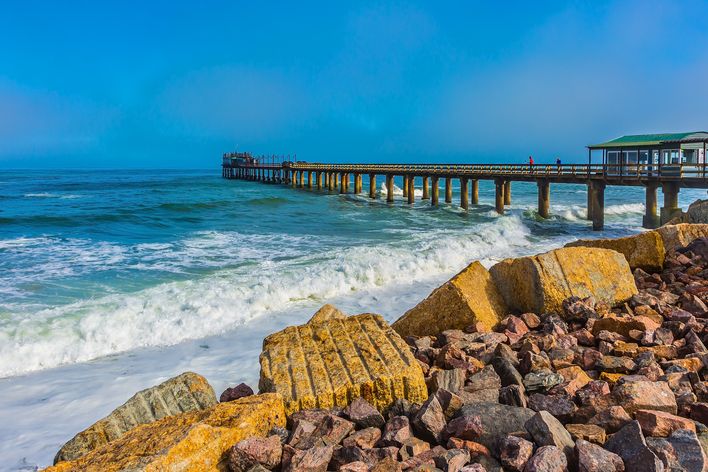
(113, 281)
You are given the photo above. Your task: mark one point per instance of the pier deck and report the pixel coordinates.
(338, 177)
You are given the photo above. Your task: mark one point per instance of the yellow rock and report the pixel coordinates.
(468, 297)
(676, 236)
(326, 313)
(191, 442)
(610, 378)
(183, 393)
(644, 250)
(326, 364)
(539, 284)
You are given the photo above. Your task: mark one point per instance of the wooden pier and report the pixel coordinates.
(653, 174)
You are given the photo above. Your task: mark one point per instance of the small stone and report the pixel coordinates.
(681, 451)
(464, 427)
(546, 430)
(616, 365)
(396, 431)
(430, 420)
(629, 444)
(254, 451)
(560, 406)
(497, 420)
(330, 431)
(541, 380)
(661, 424)
(515, 452)
(357, 466)
(513, 395)
(507, 372)
(593, 458)
(449, 379)
(473, 468)
(612, 419)
(234, 393)
(387, 465)
(645, 395)
(363, 414)
(587, 432)
(474, 448)
(412, 447)
(452, 460)
(531, 319)
(314, 459)
(365, 438)
(547, 459)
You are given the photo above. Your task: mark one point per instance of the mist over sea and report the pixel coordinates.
(113, 281)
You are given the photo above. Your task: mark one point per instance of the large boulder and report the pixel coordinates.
(330, 362)
(198, 440)
(469, 297)
(644, 250)
(697, 213)
(681, 235)
(184, 393)
(539, 284)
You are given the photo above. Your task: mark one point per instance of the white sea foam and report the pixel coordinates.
(66, 196)
(172, 312)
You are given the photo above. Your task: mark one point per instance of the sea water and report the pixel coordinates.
(113, 281)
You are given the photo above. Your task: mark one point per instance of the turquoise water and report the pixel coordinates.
(111, 281)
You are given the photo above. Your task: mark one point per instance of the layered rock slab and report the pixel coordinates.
(332, 362)
(184, 393)
(643, 250)
(681, 235)
(194, 441)
(467, 298)
(540, 283)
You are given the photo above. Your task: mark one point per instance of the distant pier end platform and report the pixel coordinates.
(669, 161)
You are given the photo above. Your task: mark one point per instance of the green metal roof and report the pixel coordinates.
(635, 140)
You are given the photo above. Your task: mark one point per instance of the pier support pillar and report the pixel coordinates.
(389, 188)
(499, 196)
(426, 192)
(318, 179)
(405, 186)
(651, 218)
(670, 209)
(590, 197)
(358, 184)
(411, 189)
(544, 198)
(372, 185)
(448, 190)
(341, 179)
(464, 195)
(436, 191)
(301, 179)
(475, 192)
(507, 192)
(598, 206)
(309, 179)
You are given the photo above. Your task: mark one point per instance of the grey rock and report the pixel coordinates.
(547, 459)
(593, 458)
(181, 394)
(546, 430)
(497, 420)
(680, 451)
(630, 445)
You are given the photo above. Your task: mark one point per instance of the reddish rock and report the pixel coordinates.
(587, 432)
(362, 414)
(365, 438)
(515, 452)
(396, 431)
(464, 427)
(593, 458)
(357, 466)
(430, 420)
(546, 430)
(452, 460)
(387, 465)
(254, 451)
(412, 447)
(314, 459)
(329, 432)
(612, 419)
(645, 395)
(474, 448)
(547, 459)
(661, 424)
(234, 393)
(682, 451)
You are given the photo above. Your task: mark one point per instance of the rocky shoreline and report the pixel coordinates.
(586, 358)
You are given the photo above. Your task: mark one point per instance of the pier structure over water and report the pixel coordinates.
(668, 162)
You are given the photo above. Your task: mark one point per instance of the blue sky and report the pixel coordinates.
(175, 84)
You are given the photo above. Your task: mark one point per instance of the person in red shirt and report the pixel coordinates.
(531, 164)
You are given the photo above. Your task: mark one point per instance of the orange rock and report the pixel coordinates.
(196, 441)
(661, 424)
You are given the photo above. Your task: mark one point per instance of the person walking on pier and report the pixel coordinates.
(531, 164)
(558, 164)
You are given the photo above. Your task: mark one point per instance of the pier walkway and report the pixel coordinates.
(340, 177)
